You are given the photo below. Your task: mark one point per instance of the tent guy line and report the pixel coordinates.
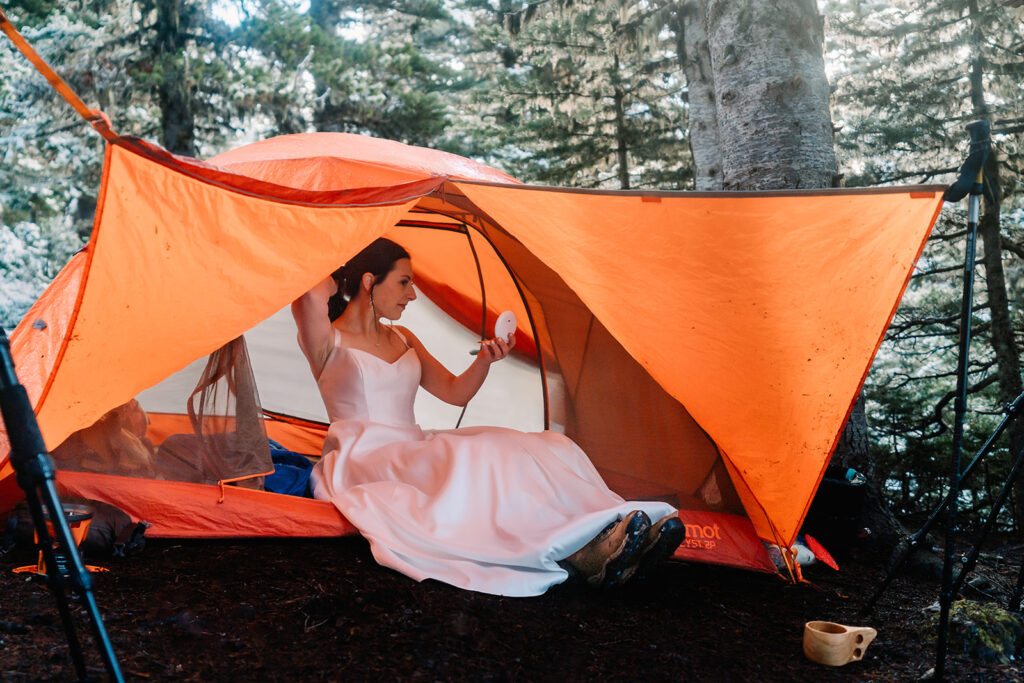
(96, 118)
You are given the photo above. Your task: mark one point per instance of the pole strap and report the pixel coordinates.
(96, 118)
(971, 179)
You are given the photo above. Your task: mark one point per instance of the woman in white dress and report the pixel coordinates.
(483, 508)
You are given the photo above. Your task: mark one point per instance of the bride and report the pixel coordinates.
(483, 508)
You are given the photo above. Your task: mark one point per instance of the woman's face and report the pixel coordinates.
(395, 291)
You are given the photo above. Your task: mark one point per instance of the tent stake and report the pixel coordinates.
(980, 143)
(36, 476)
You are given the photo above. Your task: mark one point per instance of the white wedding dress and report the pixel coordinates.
(487, 509)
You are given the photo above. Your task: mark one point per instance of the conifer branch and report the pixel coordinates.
(896, 331)
(935, 418)
(944, 269)
(923, 175)
(909, 379)
(1011, 246)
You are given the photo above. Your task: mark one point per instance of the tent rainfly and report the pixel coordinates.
(703, 348)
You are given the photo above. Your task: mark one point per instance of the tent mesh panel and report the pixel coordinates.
(227, 442)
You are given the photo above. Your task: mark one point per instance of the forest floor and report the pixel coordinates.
(289, 610)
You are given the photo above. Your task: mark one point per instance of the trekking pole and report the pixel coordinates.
(975, 164)
(913, 542)
(990, 523)
(1014, 604)
(34, 470)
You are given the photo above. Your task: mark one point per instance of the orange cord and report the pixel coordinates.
(223, 482)
(96, 118)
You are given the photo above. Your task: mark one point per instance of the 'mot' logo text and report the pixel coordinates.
(702, 537)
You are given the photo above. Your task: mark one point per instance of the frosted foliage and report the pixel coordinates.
(51, 158)
(903, 88)
(30, 256)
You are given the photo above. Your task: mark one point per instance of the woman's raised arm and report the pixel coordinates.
(315, 330)
(457, 389)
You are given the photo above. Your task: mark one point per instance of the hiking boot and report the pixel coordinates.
(662, 540)
(624, 566)
(615, 548)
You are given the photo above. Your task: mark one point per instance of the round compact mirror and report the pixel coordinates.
(505, 325)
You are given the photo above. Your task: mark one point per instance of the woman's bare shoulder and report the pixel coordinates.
(404, 333)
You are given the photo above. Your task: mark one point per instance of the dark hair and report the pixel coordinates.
(377, 259)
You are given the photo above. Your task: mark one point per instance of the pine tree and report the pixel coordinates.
(587, 94)
(51, 158)
(909, 76)
(380, 68)
(116, 54)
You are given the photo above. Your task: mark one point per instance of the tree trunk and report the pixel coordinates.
(324, 13)
(330, 112)
(621, 143)
(771, 102)
(176, 116)
(1008, 367)
(1003, 344)
(695, 59)
(853, 451)
(771, 94)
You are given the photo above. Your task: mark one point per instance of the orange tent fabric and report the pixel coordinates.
(747, 309)
(348, 161)
(685, 336)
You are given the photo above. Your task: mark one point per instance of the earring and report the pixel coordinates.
(376, 320)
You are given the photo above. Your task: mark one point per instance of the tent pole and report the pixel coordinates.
(35, 474)
(533, 328)
(913, 542)
(522, 296)
(980, 142)
(483, 303)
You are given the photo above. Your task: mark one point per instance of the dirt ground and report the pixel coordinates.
(289, 610)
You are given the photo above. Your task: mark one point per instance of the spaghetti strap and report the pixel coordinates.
(399, 335)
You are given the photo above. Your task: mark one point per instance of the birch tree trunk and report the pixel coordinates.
(774, 131)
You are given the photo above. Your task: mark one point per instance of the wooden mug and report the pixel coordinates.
(834, 644)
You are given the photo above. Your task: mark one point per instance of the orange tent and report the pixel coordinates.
(703, 348)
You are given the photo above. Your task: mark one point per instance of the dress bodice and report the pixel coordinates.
(356, 385)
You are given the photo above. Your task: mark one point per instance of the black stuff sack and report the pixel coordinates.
(112, 533)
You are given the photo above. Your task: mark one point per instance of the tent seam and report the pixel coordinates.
(683, 194)
(129, 145)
